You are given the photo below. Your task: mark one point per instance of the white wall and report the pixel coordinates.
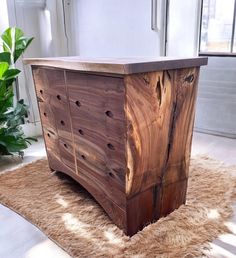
(4, 21)
(115, 28)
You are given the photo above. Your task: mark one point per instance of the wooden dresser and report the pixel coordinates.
(122, 128)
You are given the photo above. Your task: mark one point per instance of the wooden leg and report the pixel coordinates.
(152, 204)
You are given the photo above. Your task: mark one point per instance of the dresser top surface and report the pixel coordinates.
(117, 65)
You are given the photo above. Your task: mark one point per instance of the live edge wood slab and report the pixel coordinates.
(122, 128)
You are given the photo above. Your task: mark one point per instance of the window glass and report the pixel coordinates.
(216, 27)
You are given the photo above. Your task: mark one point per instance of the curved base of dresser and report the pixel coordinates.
(140, 210)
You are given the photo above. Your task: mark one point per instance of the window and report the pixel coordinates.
(217, 34)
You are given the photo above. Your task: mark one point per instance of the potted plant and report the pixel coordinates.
(12, 115)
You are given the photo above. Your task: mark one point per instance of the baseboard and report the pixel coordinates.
(213, 132)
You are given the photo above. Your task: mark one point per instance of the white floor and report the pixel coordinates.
(34, 152)
(20, 239)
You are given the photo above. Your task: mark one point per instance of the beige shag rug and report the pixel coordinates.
(68, 215)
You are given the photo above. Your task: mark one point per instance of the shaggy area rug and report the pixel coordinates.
(68, 215)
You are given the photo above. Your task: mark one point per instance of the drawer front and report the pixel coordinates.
(47, 117)
(62, 120)
(52, 143)
(54, 112)
(67, 152)
(98, 121)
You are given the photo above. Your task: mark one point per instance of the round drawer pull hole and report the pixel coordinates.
(45, 114)
(111, 175)
(62, 122)
(65, 145)
(41, 91)
(77, 103)
(109, 113)
(81, 132)
(59, 97)
(48, 134)
(110, 146)
(83, 157)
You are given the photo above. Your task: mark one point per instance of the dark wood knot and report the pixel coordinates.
(145, 78)
(158, 92)
(189, 78)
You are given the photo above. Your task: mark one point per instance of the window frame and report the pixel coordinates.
(212, 53)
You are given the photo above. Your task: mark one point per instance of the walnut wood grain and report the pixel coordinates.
(160, 111)
(117, 66)
(54, 112)
(126, 139)
(98, 121)
(160, 108)
(148, 100)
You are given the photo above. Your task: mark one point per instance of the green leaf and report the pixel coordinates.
(28, 42)
(9, 83)
(3, 90)
(15, 43)
(21, 45)
(31, 139)
(6, 101)
(3, 150)
(12, 144)
(18, 33)
(10, 74)
(10, 36)
(5, 57)
(3, 68)
(7, 40)
(15, 116)
(21, 101)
